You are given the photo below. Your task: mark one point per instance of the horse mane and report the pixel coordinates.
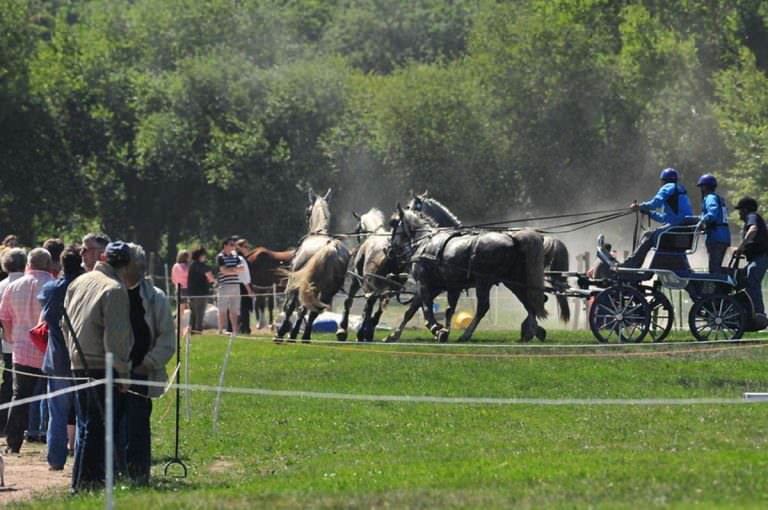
(439, 212)
(417, 220)
(373, 220)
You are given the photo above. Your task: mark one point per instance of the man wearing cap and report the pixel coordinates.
(754, 246)
(675, 210)
(98, 308)
(714, 222)
(20, 312)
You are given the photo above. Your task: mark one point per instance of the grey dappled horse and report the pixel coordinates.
(556, 256)
(453, 260)
(317, 273)
(375, 273)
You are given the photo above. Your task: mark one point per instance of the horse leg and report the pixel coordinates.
(483, 292)
(376, 317)
(407, 316)
(453, 298)
(299, 319)
(308, 328)
(438, 331)
(271, 308)
(365, 332)
(529, 329)
(341, 333)
(288, 308)
(258, 305)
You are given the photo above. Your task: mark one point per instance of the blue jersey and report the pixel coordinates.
(673, 201)
(714, 216)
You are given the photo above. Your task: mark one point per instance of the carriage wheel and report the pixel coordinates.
(620, 314)
(717, 317)
(662, 315)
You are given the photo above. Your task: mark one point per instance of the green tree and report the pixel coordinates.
(743, 112)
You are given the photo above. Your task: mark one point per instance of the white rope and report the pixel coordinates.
(43, 396)
(447, 345)
(748, 398)
(456, 400)
(43, 376)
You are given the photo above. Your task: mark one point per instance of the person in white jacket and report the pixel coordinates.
(154, 345)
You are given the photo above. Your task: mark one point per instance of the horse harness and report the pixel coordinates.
(437, 258)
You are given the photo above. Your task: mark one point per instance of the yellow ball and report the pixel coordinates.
(462, 320)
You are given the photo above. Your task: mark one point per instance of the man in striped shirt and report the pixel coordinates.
(230, 268)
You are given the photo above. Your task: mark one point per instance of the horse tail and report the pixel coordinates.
(556, 259)
(533, 249)
(318, 273)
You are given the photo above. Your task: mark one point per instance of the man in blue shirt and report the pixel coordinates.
(675, 210)
(714, 222)
(56, 362)
(754, 245)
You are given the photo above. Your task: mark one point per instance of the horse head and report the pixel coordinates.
(406, 227)
(318, 213)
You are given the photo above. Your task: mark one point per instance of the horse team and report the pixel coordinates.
(425, 241)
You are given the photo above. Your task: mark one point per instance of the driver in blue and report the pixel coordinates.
(675, 210)
(714, 222)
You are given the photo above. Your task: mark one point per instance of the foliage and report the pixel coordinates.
(170, 121)
(743, 113)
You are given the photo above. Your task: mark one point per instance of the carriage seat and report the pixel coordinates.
(672, 249)
(676, 239)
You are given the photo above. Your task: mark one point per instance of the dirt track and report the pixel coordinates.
(27, 476)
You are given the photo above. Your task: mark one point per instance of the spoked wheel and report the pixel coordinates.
(662, 315)
(717, 317)
(620, 314)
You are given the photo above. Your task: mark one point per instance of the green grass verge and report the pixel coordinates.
(291, 453)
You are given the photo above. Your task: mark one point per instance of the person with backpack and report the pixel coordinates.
(714, 222)
(675, 210)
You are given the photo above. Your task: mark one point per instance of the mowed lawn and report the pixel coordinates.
(279, 452)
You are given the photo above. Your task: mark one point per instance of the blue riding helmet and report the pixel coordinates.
(669, 175)
(118, 254)
(707, 180)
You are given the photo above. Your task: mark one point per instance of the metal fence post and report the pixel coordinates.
(109, 437)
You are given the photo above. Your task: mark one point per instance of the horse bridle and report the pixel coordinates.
(406, 252)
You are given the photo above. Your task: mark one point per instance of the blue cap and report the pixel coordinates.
(707, 180)
(118, 254)
(669, 175)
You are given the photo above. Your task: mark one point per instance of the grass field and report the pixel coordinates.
(276, 452)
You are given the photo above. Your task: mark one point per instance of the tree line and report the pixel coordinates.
(172, 122)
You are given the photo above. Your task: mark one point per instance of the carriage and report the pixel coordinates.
(631, 304)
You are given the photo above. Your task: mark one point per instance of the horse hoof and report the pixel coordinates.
(341, 335)
(541, 333)
(277, 340)
(442, 336)
(390, 339)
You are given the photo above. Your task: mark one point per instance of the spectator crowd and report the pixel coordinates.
(62, 308)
